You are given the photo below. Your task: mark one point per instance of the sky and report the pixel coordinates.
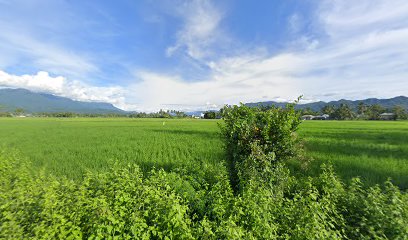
(189, 55)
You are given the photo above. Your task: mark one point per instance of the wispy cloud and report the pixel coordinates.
(20, 46)
(365, 49)
(345, 18)
(234, 80)
(200, 30)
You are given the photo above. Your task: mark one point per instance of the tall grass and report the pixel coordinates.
(69, 147)
(374, 150)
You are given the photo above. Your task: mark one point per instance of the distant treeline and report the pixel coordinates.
(363, 112)
(160, 114)
(341, 112)
(19, 112)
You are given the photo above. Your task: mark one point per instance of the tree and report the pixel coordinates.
(328, 109)
(343, 112)
(19, 111)
(400, 112)
(362, 108)
(163, 114)
(209, 115)
(308, 111)
(180, 114)
(374, 111)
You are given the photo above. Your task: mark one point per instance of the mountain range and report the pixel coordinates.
(33, 102)
(317, 106)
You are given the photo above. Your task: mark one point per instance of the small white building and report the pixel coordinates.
(322, 117)
(307, 117)
(388, 116)
(311, 117)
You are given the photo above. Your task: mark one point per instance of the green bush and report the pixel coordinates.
(271, 131)
(124, 204)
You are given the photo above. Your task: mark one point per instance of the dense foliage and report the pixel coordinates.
(361, 112)
(270, 131)
(210, 115)
(199, 203)
(160, 114)
(124, 204)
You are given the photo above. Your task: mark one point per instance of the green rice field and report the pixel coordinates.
(373, 150)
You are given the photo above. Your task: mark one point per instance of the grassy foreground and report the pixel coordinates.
(370, 149)
(373, 150)
(71, 146)
(252, 195)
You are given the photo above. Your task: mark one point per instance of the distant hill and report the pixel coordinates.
(198, 113)
(316, 106)
(32, 102)
(195, 113)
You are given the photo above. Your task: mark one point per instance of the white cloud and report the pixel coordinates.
(342, 18)
(363, 53)
(200, 30)
(43, 82)
(366, 49)
(234, 80)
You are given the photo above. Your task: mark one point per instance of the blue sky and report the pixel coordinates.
(195, 54)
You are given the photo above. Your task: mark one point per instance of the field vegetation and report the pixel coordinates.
(70, 146)
(373, 150)
(193, 181)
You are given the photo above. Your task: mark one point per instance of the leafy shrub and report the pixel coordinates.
(124, 204)
(271, 131)
(120, 204)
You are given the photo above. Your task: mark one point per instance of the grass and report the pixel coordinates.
(71, 146)
(68, 147)
(373, 150)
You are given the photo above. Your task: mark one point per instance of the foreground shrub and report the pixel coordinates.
(273, 129)
(125, 204)
(249, 131)
(120, 204)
